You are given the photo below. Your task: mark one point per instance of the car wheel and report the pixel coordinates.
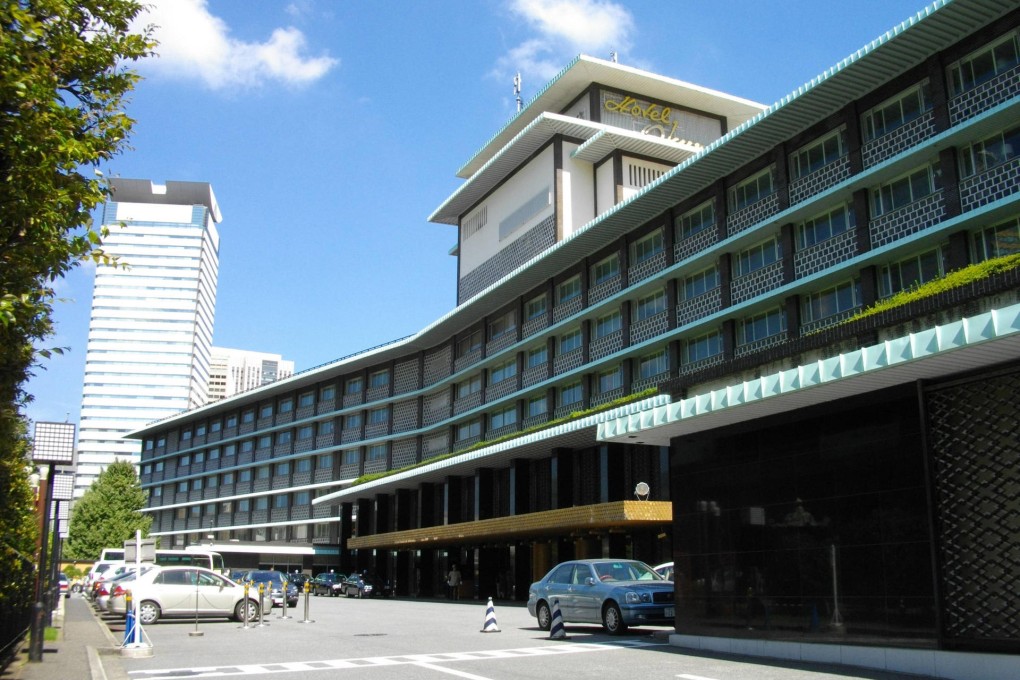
(246, 609)
(544, 616)
(148, 613)
(612, 619)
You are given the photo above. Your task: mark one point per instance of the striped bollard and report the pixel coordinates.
(556, 629)
(490, 619)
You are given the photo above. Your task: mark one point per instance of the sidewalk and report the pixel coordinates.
(84, 649)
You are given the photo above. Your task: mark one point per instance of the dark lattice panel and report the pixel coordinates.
(976, 467)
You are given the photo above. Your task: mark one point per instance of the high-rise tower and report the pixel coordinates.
(151, 327)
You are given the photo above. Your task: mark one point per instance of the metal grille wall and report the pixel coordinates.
(975, 455)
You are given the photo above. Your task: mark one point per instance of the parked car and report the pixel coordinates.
(105, 587)
(329, 583)
(615, 593)
(65, 584)
(299, 580)
(665, 570)
(166, 592)
(237, 574)
(366, 585)
(273, 581)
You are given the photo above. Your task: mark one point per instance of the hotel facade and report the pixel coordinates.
(656, 354)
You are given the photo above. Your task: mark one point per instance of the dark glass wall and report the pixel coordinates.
(812, 524)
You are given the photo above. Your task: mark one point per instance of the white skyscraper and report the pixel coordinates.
(151, 328)
(232, 371)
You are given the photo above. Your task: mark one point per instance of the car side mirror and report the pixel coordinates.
(589, 581)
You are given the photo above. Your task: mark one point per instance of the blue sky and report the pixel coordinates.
(330, 131)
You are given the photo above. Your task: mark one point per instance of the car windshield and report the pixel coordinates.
(625, 570)
(273, 577)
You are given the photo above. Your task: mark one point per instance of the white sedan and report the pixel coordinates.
(183, 592)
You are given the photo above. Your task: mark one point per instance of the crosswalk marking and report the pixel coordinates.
(432, 661)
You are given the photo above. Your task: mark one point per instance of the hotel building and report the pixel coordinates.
(656, 353)
(152, 316)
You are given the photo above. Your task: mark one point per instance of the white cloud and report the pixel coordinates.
(194, 43)
(565, 29)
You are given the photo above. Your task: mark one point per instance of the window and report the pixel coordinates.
(465, 388)
(605, 270)
(354, 386)
(903, 190)
(757, 256)
(327, 393)
(695, 221)
(200, 430)
(147, 469)
(910, 272)
(700, 283)
(286, 405)
(507, 369)
(184, 461)
(305, 400)
(181, 513)
(570, 394)
(157, 491)
(160, 441)
(378, 379)
(326, 427)
(502, 418)
(986, 63)
(650, 305)
(608, 324)
(182, 487)
(703, 347)
(570, 341)
(653, 364)
(610, 380)
(266, 411)
(825, 226)
(537, 406)
(538, 356)
(646, 248)
(817, 154)
(472, 342)
(262, 503)
(226, 507)
(227, 478)
(761, 326)
(568, 290)
(352, 422)
(305, 432)
(186, 435)
(158, 467)
(378, 416)
(303, 465)
(247, 446)
(896, 112)
(212, 481)
(262, 472)
(216, 426)
(232, 420)
(281, 501)
(990, 152)
(214, 453)
(501, 325)
(351, 457)
(244, 475)
(244, 505)
(469, 430)
(825, 303)
(284, 437)
(324, 461)
(302, 498)
(751, 190)
(536, 307)
(229, 450)
(997, 241)
(265, 441)
(199, 457)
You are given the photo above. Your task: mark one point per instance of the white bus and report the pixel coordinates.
(200, 558)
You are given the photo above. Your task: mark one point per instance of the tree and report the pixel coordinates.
(108, 513)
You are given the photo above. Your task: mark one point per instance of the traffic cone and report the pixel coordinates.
(556, 629)
(490, 619)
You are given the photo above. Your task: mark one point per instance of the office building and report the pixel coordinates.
(151, 328)
(658, 352)
(232, 371)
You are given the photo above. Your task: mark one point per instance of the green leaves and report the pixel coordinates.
(108, 513)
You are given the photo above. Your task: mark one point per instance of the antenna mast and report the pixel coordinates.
(517, 91)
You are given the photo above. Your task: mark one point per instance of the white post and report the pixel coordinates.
(138, 571)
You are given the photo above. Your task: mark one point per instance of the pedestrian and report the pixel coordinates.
(453, 581)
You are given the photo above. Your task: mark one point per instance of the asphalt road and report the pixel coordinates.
(433, 639)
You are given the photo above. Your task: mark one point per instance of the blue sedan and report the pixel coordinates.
(615, 593)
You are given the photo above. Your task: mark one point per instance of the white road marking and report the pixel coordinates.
(431, 661)
(687, 676)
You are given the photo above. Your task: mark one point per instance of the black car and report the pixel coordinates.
(272, 582)
(299, 580)
(366, 585)
(329, 583)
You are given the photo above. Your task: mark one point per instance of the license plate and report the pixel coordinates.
(669, 612)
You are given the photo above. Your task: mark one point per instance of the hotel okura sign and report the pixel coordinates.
(659, 120)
